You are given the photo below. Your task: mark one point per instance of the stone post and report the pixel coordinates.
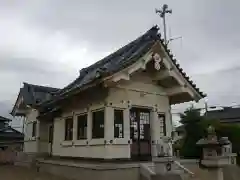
(108, 131)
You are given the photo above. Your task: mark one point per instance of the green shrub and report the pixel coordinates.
(195, 128)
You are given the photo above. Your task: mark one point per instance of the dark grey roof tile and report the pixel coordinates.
(118, 60)
(225, 114)
(4, 119)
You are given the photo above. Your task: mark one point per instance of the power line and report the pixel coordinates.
(207, 108)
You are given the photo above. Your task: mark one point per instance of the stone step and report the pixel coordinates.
(167, 176)
(24, 163)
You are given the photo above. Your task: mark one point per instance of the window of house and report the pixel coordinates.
(161, 118)
(69, 129)
(98, 124)
(118, 123)
(34, 127)
(82, 127)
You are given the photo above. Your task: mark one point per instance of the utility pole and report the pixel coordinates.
(206, 108)
(162, 13)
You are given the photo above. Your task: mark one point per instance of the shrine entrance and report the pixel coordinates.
(140, 134)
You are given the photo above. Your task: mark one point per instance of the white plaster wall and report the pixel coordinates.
(30, 143)
(95, 148)
(139, 91)
(89, 148)
(43, 137)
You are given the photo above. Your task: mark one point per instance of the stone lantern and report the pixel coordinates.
(216, 152)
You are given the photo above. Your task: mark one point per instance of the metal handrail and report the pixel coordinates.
(185, 169)
(146, 171)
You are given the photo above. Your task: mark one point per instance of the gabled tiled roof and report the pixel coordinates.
(116, 61)
(35, 94)
(9, 136)
(3, 119)
(10, 132)
(226, 115)
(180, 128)
(119, 60)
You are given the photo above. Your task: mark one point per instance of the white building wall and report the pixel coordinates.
(142, 92)
(44, 146)
(90, 148)
(139, 91)
(30, 143)
(38, 144)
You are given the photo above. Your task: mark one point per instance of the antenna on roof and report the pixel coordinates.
(173, 38)
(162, 13)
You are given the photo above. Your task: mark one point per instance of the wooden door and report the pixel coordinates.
(140, 133)
(50, 139)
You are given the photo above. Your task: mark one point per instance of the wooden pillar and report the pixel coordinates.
(109, 123)
(126, 123)
(155, 131)
(89, 125)
(108, 131)
(74, 127)
(168, 121)
(37, 135)
(126, 126)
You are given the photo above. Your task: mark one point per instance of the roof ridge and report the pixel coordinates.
(118, 60)
(154, 29)
(84, 71)
(4, 119)
(40, 86)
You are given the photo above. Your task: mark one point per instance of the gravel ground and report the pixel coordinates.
(8, 172)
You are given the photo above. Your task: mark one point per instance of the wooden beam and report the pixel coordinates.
(178, 77)
(179, 90)
(125, 74)
(121, 76)
(162, 75)
(176, 90)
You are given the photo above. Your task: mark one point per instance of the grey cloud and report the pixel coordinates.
(210, 40)
(222, 86)
(25, 65)
(4, 108)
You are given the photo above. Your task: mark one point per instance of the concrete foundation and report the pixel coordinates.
(88, 171)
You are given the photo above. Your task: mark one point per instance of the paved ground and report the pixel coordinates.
(231, 173)
(8, 172)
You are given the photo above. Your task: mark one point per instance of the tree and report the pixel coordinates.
(194, 130)
(196, 125)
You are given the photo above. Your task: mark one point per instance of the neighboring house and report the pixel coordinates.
(29, 96)
(4, 122)
(226, 115)
(179, 133)
(9, 137)
(118, 108)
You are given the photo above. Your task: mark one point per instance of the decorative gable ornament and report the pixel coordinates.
(157, 60)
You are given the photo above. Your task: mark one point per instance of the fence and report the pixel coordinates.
(10, 153)
(7, 156)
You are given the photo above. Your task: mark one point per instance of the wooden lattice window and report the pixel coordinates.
(82, 127)
(69, 129)
(162, 120)
(118, 123)
(98, 124)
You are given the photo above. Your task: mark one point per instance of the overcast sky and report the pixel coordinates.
(47, 42)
